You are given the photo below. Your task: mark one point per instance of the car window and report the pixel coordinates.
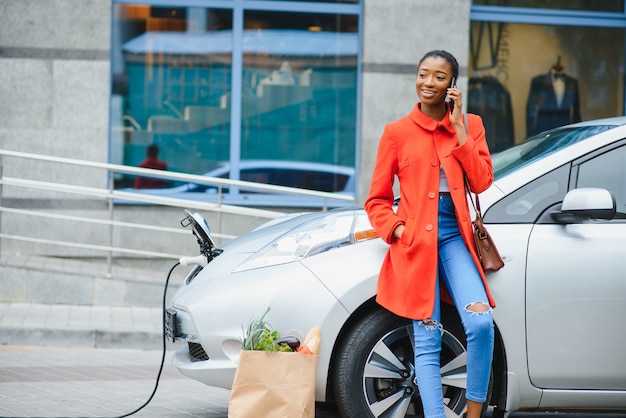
(258, 175)
(309, 179)
(302, 179)
(207, 188)
(290, 177)
(608, 171)
(263, 175)
(526, 204)
(539, 146)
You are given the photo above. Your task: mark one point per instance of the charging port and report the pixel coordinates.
(170, 325)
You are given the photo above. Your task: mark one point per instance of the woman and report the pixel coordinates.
(430, 235)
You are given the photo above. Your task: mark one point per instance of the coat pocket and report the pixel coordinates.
(407, 236)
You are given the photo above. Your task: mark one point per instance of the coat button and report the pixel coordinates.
(429, 227)
(431, 195)
(433, 162)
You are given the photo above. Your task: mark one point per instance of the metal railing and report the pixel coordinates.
(110, 196)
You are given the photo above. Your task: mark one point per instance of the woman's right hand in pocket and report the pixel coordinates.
(398, 231)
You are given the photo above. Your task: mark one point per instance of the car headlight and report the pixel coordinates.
(313, 237)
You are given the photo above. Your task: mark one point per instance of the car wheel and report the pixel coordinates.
(374, 368)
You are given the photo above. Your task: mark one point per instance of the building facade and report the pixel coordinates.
(212, 81)
(310, 81)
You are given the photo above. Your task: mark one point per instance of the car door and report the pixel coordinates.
(576, 288)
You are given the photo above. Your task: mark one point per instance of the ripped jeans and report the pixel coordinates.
(459, 274)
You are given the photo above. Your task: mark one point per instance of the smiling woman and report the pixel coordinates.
(433, 154)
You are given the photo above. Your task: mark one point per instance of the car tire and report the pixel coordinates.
(374, 368)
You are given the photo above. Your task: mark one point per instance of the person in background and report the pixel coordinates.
(431, 255)
(151, 161)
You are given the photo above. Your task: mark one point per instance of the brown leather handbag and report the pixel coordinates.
(488, 254)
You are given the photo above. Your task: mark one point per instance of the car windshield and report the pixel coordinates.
(539, 146)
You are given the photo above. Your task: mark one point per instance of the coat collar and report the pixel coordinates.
(430, 124)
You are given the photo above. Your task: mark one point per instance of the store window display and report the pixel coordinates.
(585, 5)
(491, 99)
(526, 78)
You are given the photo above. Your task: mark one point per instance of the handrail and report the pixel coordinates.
(165, 201)
(190, 178)
(90, 246)
(112, 196)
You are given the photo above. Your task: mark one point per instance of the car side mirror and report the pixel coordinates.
(586, 204)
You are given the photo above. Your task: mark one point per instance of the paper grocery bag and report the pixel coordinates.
(273, 384)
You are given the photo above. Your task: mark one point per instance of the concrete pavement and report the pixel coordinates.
(46, 382)
(104, 382)
(87, 361)
(88, 382)
(96, 361)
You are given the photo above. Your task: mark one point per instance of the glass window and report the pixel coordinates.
(323, 181)
(528, 203)
(607, 171)
(328, 1)
(299, 89)
(540, 146)
(171, 77)
(314, 177)
(525, 79)
(174, 91)
(312, 180)
(589, 5)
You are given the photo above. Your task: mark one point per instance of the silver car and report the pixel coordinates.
(557, 211)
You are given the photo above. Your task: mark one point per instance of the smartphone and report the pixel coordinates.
(452, 84)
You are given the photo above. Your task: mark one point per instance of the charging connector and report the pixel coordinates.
(199, 260)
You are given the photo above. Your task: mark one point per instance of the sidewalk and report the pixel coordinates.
(100, 382)
(80, 326)
(96, 361)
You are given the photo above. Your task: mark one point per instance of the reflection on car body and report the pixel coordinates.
(556, 211)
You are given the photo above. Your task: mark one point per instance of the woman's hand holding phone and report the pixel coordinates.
(455, 96)
(451, 102)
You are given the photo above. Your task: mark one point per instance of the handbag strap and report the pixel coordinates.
(475, 201)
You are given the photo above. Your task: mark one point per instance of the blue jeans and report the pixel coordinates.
(459, 274)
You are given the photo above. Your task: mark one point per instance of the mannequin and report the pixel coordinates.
(553, 100)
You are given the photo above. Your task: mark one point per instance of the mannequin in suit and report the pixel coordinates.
(553, 100)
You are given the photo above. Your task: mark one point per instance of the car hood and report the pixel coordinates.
(266, 233)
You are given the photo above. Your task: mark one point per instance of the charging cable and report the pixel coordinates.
(190, 260)
(201, 261)
(156, 384)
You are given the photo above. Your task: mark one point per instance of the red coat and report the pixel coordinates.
(412, 148)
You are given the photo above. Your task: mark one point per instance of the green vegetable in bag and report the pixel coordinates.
(260, 336)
